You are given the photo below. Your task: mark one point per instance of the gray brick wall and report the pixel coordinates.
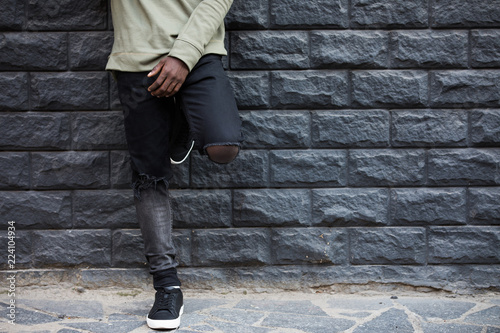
(371, 154)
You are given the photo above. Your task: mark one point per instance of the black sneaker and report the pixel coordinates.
(167, 310)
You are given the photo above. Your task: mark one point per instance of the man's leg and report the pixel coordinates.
(148, 122)
(210, 108)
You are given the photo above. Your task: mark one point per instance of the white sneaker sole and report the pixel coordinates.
(185, 157)
(165, 324)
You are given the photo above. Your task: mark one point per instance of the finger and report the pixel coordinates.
(164, 90)
(155, 70)
(160, 80)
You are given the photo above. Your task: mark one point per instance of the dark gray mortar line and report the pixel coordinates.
(467, 206)
(269, 16)
(429, 87)
(269, 91)
(310, 144)
(427, 232)
(469, 129)
(231, 213)
(30, 170)
(310, 192)
(68, 58)
(348, 251)
(390, 111)
(389, 49)
(72, 208)
(469, 49)
(26, 15)
(430, 6)
(268, 166)
(389, 206)
(426, 167)
(347, 168)
(349, 89)
(349, 14)
(109, 169)
(30, 104)
(309, 46)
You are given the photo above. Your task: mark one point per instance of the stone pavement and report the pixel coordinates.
(72, 310)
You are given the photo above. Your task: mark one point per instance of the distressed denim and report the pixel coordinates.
(207, 102)
(155, 220)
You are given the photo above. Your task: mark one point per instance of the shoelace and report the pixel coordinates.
(166, 300)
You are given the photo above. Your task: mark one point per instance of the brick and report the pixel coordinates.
(240, 247)
(376, 167)
(15, 168)
(103, 130)
(67, 15)
(464, 245)
(350, 207)
(12, 14)
(464, 167)
(201, 209)
(271, 207)
(350, 128)
(249, 169)
(269, 49)
(248, 15)
(308, 14)
(104, 209)
(483, 206)
(67, 170)
(389, 14)
(485, 49)
(69, 91)
(390, 246)
(308, 167)
(14, 88)
(471, 13)
(428, 206)
(33, 51)
(251, 90)
(386, 88)
(72, 248)
(120, 171)
(23, 251)
(275, 129)
(429, 49)
(429, 128)
(309, 89)
(181, 175)
(182, 245)
(349, 49)
(465, 88)
(309, 246)
(40, 131)
(37, 210)
(128, 248)
(89, 50)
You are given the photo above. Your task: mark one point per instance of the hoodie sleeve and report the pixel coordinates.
(205, 20)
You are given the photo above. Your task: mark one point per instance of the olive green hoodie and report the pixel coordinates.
(148, 30)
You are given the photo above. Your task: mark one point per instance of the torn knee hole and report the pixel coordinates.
(222, 154)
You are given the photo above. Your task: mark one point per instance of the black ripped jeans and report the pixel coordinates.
(207, 101)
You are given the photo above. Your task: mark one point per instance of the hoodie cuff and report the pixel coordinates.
(186, 52)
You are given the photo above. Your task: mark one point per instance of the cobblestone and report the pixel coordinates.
(68, 310)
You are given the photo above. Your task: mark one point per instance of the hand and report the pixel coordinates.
(172, 75)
